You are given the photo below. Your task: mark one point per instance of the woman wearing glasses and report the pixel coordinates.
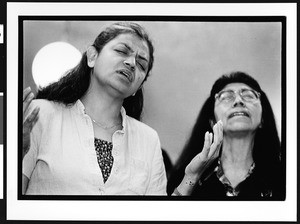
(241, 160)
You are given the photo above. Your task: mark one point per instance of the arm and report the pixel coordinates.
(195, 169)
(29, 120)
(30, 117)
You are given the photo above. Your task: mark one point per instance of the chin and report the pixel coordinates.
(121, 88)
(240, 128)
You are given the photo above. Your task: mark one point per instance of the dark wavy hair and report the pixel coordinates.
(74, 84)
(266, 150)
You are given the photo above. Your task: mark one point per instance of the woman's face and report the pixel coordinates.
(122, 64)
(238, 114)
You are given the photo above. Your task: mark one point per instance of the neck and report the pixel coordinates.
(101, 107)
(237, 151)
(236, 158)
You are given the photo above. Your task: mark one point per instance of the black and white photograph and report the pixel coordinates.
(174, 108)
(189, 55)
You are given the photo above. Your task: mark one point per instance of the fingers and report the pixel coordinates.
(212, 142)
(216, 133)
(26, 92)
(218, 138)
(207, 143)
(31, 120)
(27, 98)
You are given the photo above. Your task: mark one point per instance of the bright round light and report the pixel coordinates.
(52, 61)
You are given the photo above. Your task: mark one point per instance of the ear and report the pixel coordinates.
(91, 56)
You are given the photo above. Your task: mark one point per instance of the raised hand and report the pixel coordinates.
(195, 169)
(210, 151)
(29, 120)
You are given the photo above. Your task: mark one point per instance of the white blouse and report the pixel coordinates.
(62, 159)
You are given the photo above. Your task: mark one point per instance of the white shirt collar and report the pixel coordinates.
(81, 110)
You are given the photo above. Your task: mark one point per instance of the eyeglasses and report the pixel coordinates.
(248, 95)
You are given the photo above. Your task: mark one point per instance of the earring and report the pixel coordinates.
(133, 94)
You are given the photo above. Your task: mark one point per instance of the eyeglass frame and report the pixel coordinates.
(217, 95)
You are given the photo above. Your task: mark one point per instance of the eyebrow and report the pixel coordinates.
(130, 49)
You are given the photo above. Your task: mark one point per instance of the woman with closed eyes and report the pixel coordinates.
(246, 161)
(83, 135)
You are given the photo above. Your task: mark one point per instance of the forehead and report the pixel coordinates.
(133, 41)
(236, 86)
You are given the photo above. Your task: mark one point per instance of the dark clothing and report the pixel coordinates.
(217, 187)
(104, 156)
(252, 188)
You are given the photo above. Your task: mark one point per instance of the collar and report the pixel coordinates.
(79, 108)
(230, 191)
(220, 172)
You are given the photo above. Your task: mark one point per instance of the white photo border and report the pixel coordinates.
(150, 210)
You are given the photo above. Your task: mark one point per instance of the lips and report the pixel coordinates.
(239, 113)
(126, 73)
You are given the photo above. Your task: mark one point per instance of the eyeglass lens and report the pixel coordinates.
(230, 95)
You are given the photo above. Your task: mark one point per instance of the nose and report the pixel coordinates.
(238, 101)
(130, 63)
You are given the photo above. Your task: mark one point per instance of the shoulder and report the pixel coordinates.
(42, 103)
(46, 108)
(46, 105)
(140, 127)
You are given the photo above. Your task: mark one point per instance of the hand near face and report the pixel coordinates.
(30, 120)
(210, 151)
